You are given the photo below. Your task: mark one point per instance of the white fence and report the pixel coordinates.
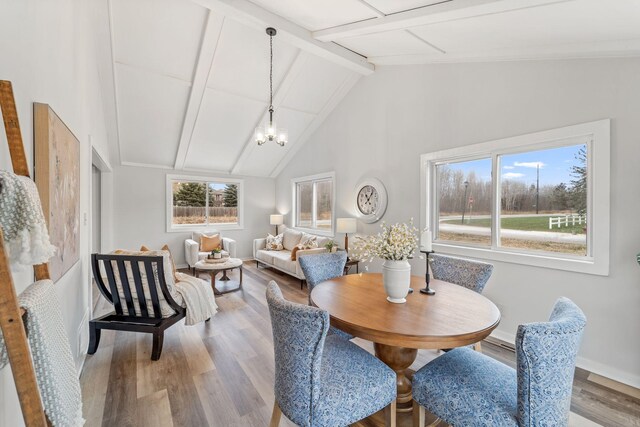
(566, 220)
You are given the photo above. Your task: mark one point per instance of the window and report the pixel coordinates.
(464, 202)
(195, 202)
(539, 199)
(313, 203)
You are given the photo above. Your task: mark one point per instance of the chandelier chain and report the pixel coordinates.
(271, 73)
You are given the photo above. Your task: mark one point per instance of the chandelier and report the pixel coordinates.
(269, 131)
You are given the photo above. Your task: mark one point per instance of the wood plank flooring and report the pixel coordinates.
(221, 373)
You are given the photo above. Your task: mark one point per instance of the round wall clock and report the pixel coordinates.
(371, 200)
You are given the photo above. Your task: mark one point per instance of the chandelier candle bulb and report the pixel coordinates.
(426, 242)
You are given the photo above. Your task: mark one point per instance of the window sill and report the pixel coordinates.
(193, 227)
(587, 265)
(316, 231)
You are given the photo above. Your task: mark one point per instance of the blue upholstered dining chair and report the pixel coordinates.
(320, 267)
(323, 380)
(467, 388)
(464, 272)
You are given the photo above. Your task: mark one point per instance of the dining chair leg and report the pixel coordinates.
(390, 414)
(478, 347)
(275, 416)
(418, 415)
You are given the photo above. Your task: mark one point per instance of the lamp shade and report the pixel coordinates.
(346, 225)
(276, 219)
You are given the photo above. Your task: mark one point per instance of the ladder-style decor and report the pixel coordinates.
(11, 315)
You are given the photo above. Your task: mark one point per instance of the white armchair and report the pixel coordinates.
(192, 251)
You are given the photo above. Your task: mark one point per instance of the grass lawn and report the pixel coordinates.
(529, 223)
(565, 248)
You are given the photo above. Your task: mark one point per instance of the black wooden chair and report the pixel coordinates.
(125, 318)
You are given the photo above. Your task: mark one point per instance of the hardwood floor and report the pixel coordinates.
(221, 373)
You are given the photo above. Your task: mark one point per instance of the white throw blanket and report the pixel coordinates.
(51, 352)
(25, 231)
(198, 298)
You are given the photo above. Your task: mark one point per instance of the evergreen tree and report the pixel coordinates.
(190, 194)
(231, 195)
(579, 183)
(560, 197)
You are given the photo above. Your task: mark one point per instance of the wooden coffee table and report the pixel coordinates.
(224, 284)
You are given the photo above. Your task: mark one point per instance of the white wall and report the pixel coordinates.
(398, 113)
(46, 50)
(139, 212)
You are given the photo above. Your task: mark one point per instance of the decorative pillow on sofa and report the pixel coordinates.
(209, 243)
(308, 241)
(274, 243)
(290, 238)
(144, 248)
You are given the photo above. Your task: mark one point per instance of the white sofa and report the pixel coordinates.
(192, 251)
(281, 260)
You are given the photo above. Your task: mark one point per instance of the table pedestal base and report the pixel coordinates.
(224, 284)
(399, 359)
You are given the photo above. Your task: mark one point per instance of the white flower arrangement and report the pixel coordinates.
(395, 242)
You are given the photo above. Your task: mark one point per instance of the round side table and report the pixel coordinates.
(224, 284)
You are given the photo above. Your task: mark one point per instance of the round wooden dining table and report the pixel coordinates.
(455, 316)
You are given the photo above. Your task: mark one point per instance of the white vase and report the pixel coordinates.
(396, 276)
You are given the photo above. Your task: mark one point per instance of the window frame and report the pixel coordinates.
(331, 176)
(597, 137)
(177, 228)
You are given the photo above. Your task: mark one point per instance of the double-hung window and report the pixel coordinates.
(194, 202)
(538, 199)
(313, 202)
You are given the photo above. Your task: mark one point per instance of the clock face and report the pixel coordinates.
(368, 200)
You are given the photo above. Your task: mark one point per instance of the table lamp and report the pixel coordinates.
(276, 219)
(346, 226)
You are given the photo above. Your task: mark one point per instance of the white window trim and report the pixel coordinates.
(181, 228)
(294, 205)
(596, 135)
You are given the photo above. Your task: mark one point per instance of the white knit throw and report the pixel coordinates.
(25, 231)
(51, 352)
(198, 297)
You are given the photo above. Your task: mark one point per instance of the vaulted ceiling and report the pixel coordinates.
(191, 76)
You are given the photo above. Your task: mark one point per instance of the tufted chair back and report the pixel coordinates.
(299, 332)
(546, 358)
(464, 272)
(320, 267)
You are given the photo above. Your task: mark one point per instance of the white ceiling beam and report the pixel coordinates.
(603, 49)
(279, 96)
(331, 104)
(208, 48)
(441, 12)
(250, 14)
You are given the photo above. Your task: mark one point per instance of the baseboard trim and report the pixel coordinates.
(609, 373)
